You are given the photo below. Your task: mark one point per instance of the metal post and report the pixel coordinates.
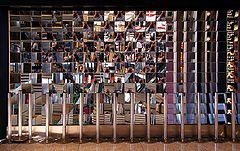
(182, 117)
(175, 49)
(30, 107)
(185, 51)
(216, 117)
(199, 116)
(114, 118)
(97, 117)
(233, 118)
(20, 113)
(132, 116)
(148, 117)
(165, 117)
(64, 118)
(9, 116)
(47, 117)
(81, 117)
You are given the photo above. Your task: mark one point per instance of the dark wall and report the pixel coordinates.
(4, 70)
(148, 4)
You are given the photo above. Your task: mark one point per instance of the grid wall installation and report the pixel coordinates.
(164, 53)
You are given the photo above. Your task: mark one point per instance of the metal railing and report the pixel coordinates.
(114, 116)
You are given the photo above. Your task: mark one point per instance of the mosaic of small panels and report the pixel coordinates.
(122, 52)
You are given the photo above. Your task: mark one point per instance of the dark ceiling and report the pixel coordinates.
(123, 4)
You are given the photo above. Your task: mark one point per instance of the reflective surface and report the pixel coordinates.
(144, 58)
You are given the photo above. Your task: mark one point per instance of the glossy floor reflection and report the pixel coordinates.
(210, 146)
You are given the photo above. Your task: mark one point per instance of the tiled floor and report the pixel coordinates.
(210, 146)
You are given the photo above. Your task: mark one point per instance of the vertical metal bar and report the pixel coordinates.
(165, 117)
(216, 118)
(175, 48)
(132, 116)
(81, 117)
(97, 117)
(114, 118)
(205, 57)
(182, 117)
(20, 113)
(9, 94)
(148, 117)
(30, 107)
(196, 75)
(185, 68)
(9, 116)
(233, 118)
(9, 49)
(175, 55)
(217, 55)
(199, 115)
(185, 51)
(64, 118)
(195, 51)
(47, 116)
